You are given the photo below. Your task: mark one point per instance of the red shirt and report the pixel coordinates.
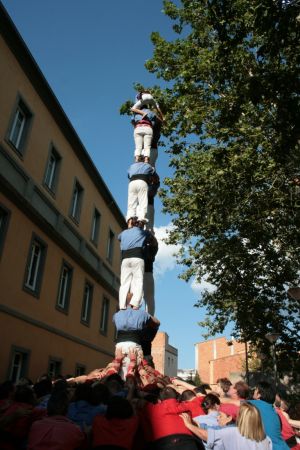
(194, 406)
(162, 419)
(230, 409)
(55, 433)
(119, 432)
(20, 426)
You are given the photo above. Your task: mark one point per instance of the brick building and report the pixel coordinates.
(165, 356)
(217, 358)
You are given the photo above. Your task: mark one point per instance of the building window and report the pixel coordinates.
(95, 227)
(4, 219)
(52, 170)
(104, 316)
(64, 287)
(79, 370)
(54, 368)
(110, 246)
(19, 364)
(76, 201)
(87, 303)
(35, 266)
(19, 127)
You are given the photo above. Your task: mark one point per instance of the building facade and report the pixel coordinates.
(219, 358)
(165, 356)
(59, 255)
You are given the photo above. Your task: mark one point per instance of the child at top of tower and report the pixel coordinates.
(145, 98)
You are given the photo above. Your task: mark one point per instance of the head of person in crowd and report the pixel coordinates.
(203, 389)
(239, 391)
(115, 385)
(7, 390)
(187, 395)
(24, 381)
(222, 387)
(249, 423)
(167, 393)
(281, 401)
(119, 408)
(211, 402)
(60, 384)
(100, 394)
(58, 403)
(25, 394)
(83, 392)
(43, 387)
(264, 391)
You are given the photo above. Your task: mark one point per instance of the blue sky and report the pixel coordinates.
(91, 52)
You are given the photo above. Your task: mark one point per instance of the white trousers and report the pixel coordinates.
(149, 293)
(143, 138)
(137, 199)
(132, 277)
(150, 217)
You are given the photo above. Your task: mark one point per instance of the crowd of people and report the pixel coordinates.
(113, 414)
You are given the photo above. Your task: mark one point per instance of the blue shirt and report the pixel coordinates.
(150, 117)
(271, 423)
(140, 168)
(131, 319)
(133, 237)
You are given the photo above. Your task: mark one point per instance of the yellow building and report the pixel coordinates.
(59, 255)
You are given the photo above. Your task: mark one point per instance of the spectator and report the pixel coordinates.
(263, 399)
(56, 432)
(248, 435)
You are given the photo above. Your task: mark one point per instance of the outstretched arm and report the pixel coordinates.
(202, 434)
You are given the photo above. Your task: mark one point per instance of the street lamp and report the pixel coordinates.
(272, 338)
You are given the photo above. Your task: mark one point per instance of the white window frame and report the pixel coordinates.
(86, 303)
(17, 140)
(64, 285)
(34, 265)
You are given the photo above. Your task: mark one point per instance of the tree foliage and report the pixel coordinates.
(232, 121)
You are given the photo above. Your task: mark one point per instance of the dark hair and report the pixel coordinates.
(119, 408)
(83, 391)
(200, 389)
(242, 389)
(58, 403)
(43, 387)
(167, 392)
(266, 391)
(24, 394)
(209, 401)
(6, 388)
(187, 395)
(224, 383)
(100, 394)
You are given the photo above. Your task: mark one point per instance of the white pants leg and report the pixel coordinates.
(125, 282)
(137, 266)
(142, 201)
(137, 199)
(149, 292)
(132, 199)
(150, 217)
(142, 138)
(126, 347)
(147, 141)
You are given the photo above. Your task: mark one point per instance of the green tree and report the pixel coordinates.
(232, 122)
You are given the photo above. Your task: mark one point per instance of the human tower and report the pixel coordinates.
(136, 327)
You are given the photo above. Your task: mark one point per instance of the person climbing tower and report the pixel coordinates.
(132, 242)
(143, 133)
(139, 174)
(145, 98)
